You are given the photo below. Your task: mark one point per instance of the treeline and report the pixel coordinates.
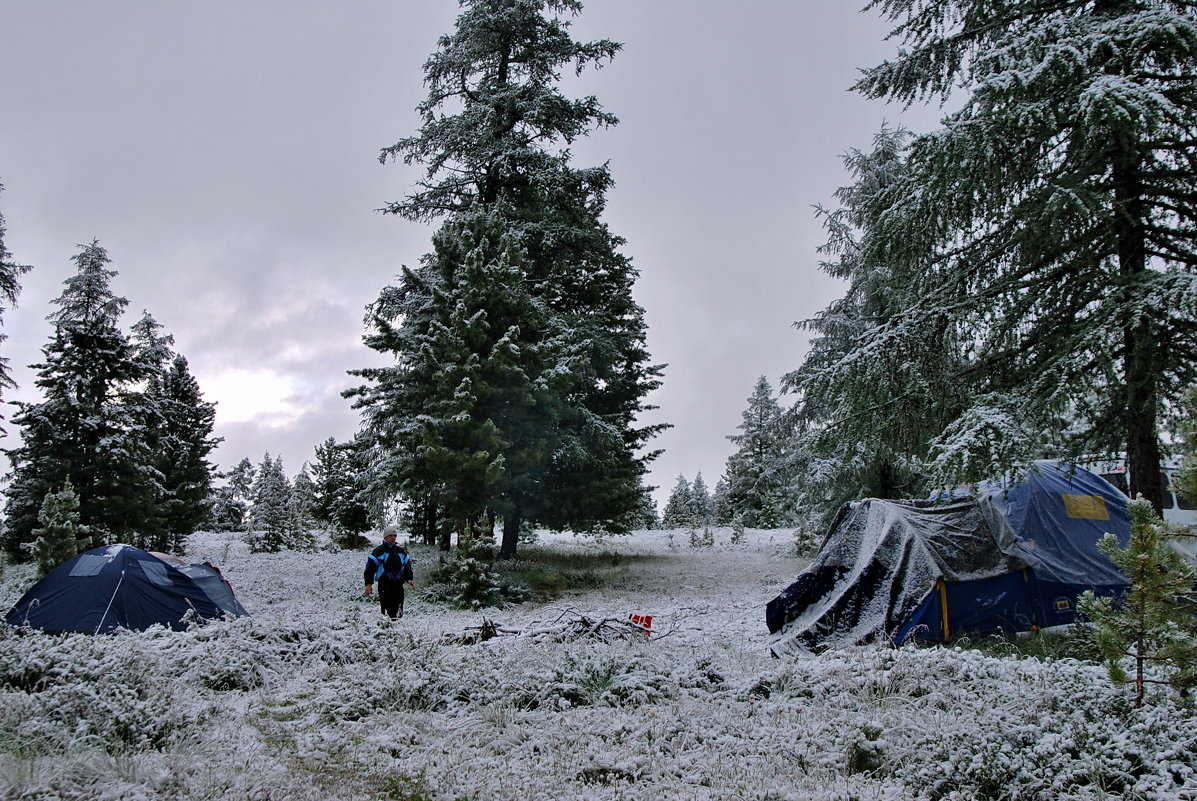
(278, 513)
(122, 426)
(759, 487)
(117, 448)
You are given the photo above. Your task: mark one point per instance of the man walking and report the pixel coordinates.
(390, 566)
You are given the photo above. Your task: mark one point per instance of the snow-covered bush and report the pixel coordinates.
(465, 582)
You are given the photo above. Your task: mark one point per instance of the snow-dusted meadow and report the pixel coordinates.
(317, 696)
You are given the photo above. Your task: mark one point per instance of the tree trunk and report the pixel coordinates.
(430, 522)
(1140, 368)
(511, 534)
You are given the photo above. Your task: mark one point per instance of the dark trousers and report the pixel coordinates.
(390, 597)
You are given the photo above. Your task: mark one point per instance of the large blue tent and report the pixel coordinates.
(119, 586)
(1013, 557)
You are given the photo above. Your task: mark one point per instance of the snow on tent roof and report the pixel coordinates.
(1013, 558)
(119, 586)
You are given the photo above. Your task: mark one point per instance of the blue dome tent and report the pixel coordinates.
(119, 586)
(1012, 558)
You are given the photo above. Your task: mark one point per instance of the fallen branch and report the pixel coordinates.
(569, 625)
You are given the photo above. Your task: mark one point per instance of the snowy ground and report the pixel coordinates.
(316, 696)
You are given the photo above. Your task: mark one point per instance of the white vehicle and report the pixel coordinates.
(1177, 510)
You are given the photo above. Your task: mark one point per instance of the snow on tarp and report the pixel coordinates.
(879, 565)
(1015, 557)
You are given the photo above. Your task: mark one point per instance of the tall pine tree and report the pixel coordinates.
(10, 286)
(1051, 221)
(339, 489)
(181, 459)
(879, 383)
(757, 478)
(495, 128)
(60, 536)
(679, 508)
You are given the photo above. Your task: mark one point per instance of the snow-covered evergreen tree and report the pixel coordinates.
(224, 514)
(269, 527)
(339, 488)
(1155, 624)
(230, 502)
(10, 287)
(1185, 479)
(568, 336)
(301, 511)
(646, 515)
(242, 478)
(758, 476)
(1048, 225)
(679, 508)
(152, 348)
(720, 504)
(184, 444)
(873, 391)
(702, 509)
(60, 536)
(174, 424)
(85, 429)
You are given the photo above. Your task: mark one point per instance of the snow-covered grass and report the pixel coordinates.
(317, 696)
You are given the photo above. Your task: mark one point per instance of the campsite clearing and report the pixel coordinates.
(316, 697)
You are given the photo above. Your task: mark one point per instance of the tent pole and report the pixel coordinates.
(115, 590)
(943, 607)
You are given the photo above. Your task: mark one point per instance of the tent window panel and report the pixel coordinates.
(1085, 507)
(89, 565)
(156, 572)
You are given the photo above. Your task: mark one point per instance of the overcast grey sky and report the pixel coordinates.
(225, 154)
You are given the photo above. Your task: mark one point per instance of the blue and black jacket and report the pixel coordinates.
(388, 563)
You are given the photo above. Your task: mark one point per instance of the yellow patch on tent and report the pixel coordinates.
(1085, 507)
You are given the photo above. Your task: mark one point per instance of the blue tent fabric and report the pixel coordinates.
(1012, 557)
(119, 586)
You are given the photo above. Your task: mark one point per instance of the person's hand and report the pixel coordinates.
(413, 584)
(369, 589)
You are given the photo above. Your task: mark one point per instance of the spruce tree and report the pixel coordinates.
(1185, 479)
(60, 536)
(10, 287)
(225, 514)
(679, 508)
(151, 349)
(1049, 222)
(181, 458)
(230, 502)
(721, 504)
(702, 510)
(301, 511)
(1155, 625)
(339, 489)
(241, 482)
(270, 524)
(85, 428)
(875, 388)
(757, 476)
(495, 127)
